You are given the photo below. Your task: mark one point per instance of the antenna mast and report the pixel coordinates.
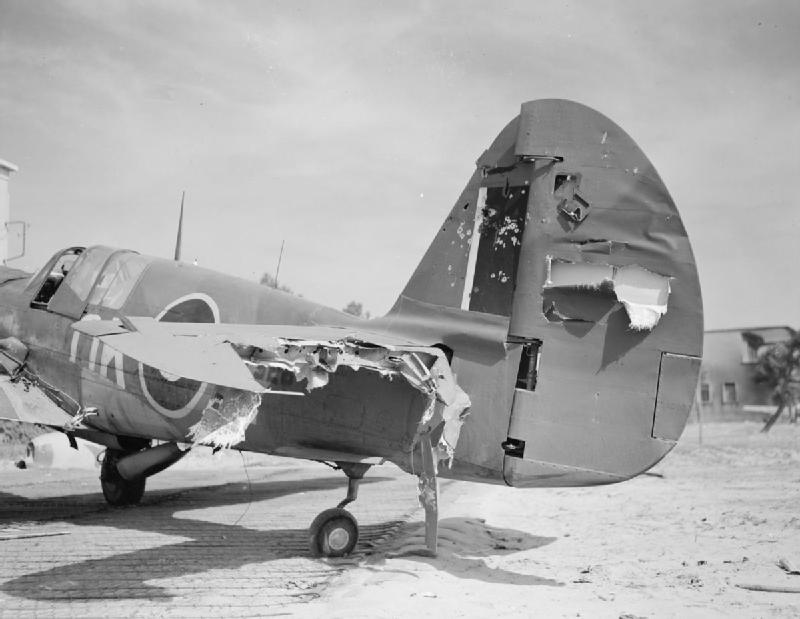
(180, 230)
(280, 257)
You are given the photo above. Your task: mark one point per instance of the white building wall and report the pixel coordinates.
(6, 169)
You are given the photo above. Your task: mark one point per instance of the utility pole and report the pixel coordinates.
(278, 270)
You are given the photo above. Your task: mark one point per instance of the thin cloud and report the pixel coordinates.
(349, 128)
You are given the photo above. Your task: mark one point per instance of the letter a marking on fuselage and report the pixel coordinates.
(107, 356)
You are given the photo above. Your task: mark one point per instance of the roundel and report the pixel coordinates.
(170, 395)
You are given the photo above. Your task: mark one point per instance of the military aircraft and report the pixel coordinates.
(550, 336)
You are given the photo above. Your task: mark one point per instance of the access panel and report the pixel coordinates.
(677, 381)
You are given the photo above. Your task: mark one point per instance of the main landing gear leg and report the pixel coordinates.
(117, 490)
(334, 533)
(429, 493)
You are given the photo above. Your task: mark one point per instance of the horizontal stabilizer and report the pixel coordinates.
(265, 336)
(201, 359)
(96, 328)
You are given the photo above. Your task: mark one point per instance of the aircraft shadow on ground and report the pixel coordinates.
(15, 508)
(212, 545)
(464, 546)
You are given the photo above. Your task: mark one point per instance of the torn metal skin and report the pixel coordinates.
(225, 419)
(424, 368)
(643, 294)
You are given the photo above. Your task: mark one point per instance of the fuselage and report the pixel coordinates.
(158, 288)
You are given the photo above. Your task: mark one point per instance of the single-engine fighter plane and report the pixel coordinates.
(550, 336)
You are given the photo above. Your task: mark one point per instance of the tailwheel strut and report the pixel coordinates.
(429, 493)
(334, 532)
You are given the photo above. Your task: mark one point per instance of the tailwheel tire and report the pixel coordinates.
(117, 490)
(334, 533)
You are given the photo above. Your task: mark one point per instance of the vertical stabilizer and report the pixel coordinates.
(563, 285)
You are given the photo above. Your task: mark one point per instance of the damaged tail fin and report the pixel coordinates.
(564, 285)
(560, 183)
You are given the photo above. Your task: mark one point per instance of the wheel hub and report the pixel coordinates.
(338, 538)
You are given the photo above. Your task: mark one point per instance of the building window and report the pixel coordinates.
(751, 343)
(729, 393)
(750, 354)
(705, 393)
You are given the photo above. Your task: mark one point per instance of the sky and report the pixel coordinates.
(348, 129)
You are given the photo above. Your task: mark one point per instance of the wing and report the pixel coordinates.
(20, 401)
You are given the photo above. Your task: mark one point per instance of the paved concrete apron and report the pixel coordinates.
(202, 543)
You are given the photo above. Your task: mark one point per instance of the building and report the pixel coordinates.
(727, 387)
(6, 169)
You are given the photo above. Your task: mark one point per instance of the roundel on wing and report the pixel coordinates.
(175, 396)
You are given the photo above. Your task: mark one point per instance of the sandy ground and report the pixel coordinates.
(674, 544)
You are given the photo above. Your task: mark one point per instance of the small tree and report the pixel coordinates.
(268, 279)
(778, 368)
(356, 309)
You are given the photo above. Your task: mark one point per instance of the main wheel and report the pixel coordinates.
(334, 533)
(116, 489)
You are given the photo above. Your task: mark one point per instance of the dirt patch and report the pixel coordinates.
(713, 518)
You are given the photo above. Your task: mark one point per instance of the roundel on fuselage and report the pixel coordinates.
(194, 308)
(175, 396)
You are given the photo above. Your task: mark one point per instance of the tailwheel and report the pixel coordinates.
(117, 490)
(334, 533)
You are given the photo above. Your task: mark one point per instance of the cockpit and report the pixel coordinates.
(55, 276)
(79, 277)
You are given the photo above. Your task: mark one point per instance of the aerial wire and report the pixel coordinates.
(249, 490)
